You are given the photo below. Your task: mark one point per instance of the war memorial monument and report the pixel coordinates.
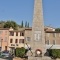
(38, 28)
(37, 42)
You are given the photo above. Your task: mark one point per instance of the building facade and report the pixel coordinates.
(11, 39)
(16, 39)
(4, 37)
(52, 38)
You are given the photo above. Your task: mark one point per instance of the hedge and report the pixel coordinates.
(20, 52)
(55, 53)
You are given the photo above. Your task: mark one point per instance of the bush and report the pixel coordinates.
(20, 52)
(55, 53)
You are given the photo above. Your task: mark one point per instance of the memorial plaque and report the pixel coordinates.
(37, 35)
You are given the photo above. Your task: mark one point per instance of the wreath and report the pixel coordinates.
(38, 52)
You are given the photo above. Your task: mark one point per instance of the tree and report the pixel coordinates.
(9, 24)
(57, 29)
(22, 25)
(26, 24)
(2, 24)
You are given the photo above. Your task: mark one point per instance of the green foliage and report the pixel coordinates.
(2, 24)
(55, 53)
(9, 24)
(57, 29)
(20, 52)
(22, 25)
(13, 24)
(27, 24)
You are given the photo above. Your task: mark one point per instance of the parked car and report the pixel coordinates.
(5, 54)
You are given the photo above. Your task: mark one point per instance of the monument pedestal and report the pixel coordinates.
(34, 58)
(39, 58)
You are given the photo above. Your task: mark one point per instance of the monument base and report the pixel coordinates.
(34, 58)
(39, 58)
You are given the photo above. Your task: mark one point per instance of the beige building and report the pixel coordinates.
(28, 35)
(52, 37)
(16, 38)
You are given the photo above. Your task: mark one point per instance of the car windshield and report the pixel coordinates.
(5, 51)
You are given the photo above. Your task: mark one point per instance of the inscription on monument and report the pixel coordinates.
(37, 35)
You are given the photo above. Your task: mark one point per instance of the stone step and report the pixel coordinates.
(39, 58)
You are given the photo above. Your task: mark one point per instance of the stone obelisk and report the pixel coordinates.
(38, 40)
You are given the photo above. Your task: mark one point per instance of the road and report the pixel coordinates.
(2, 59)
(6, 59)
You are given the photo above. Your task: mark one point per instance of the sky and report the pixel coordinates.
(18, 10)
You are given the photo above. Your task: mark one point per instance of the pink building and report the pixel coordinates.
(4, 35)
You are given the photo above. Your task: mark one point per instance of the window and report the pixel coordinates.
(47, 42)
(11, 40)
(54, 34)
(16, 33)
(21, 40)
(16, 40)
(53, 42)
(21, 33)
(28, 38)
(11, 33)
